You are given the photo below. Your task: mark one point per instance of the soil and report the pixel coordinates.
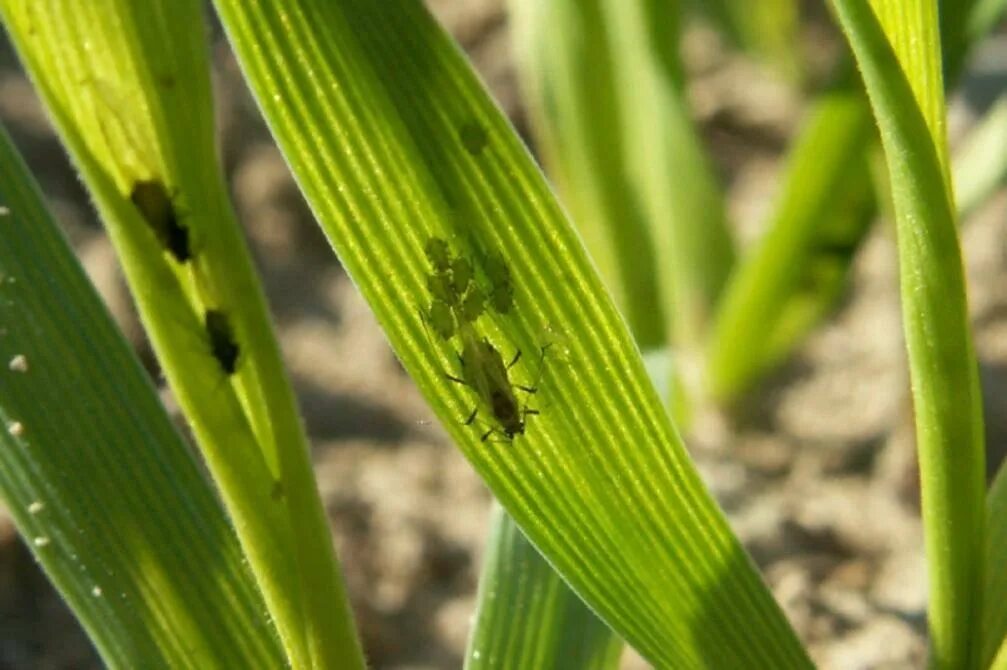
(817, 471)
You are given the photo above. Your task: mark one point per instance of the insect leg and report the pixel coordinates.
(517, 357)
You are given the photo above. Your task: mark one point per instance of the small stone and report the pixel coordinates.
(18, 364)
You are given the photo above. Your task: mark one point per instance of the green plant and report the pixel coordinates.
(463, 252)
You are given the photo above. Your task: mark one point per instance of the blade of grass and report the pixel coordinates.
(980, 166)
(903, 80)
(960, 23)
(127, 85)
(983, 18)
(794, 275)
(827, 159)
(994, 630)
(569, 81)
(605, 87)
(999, 661)
(527, 617)
(395, 144)
(767, 29)
(101, 486)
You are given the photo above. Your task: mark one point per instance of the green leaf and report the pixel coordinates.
(791, 277)
(101, 486)
(994, 630)
(941, 356)
(127, 86)
(527, 617)
(768, 29)
(999, 661)
(983, 18)
(962, 22)
(397, 149)
(569, 81)
(605, 88)
(980, 166)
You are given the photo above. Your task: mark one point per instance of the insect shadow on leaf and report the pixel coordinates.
(222, 343)
(155, 204)
(132, 149)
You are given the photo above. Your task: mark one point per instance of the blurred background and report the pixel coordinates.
(816, 467)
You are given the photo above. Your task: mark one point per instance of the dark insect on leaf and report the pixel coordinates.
(442, 319)
(155, 205)
(441, 289)
(502, 293)
(222, 343)
(438, 254)
(472, 306)
(461, 275)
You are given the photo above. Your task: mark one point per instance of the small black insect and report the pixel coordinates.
(222, 343)
(154, 202)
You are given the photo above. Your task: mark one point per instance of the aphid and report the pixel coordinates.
(473, 137)
(483, 371)
(461, 275)
(155, 205)
(135, 156)
(502, 293)
(438, 254)
(457, 301)
(472, 306)
(222, 343)
(442, 318)
(441, 287)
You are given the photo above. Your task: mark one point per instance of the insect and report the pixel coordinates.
(484, 372)
(456, 298)
(222, 344)
(502, 293)
(135, 155)
(457, 301)
(155, 204)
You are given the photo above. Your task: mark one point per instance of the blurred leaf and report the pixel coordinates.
(605, 88)
(1000, 660)
(961, 23)
(105, 492)
(397, 147)
(769, 29)
(127, 86)
(527, 617)
(825, 207)
(799, 266)
(903, 80)
(569, 79)
(982, 19)
(994, 630)
(980, 166)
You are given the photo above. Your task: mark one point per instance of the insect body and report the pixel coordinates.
(483, 371)
(154, 202)
(457, 302)
(222, 343)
